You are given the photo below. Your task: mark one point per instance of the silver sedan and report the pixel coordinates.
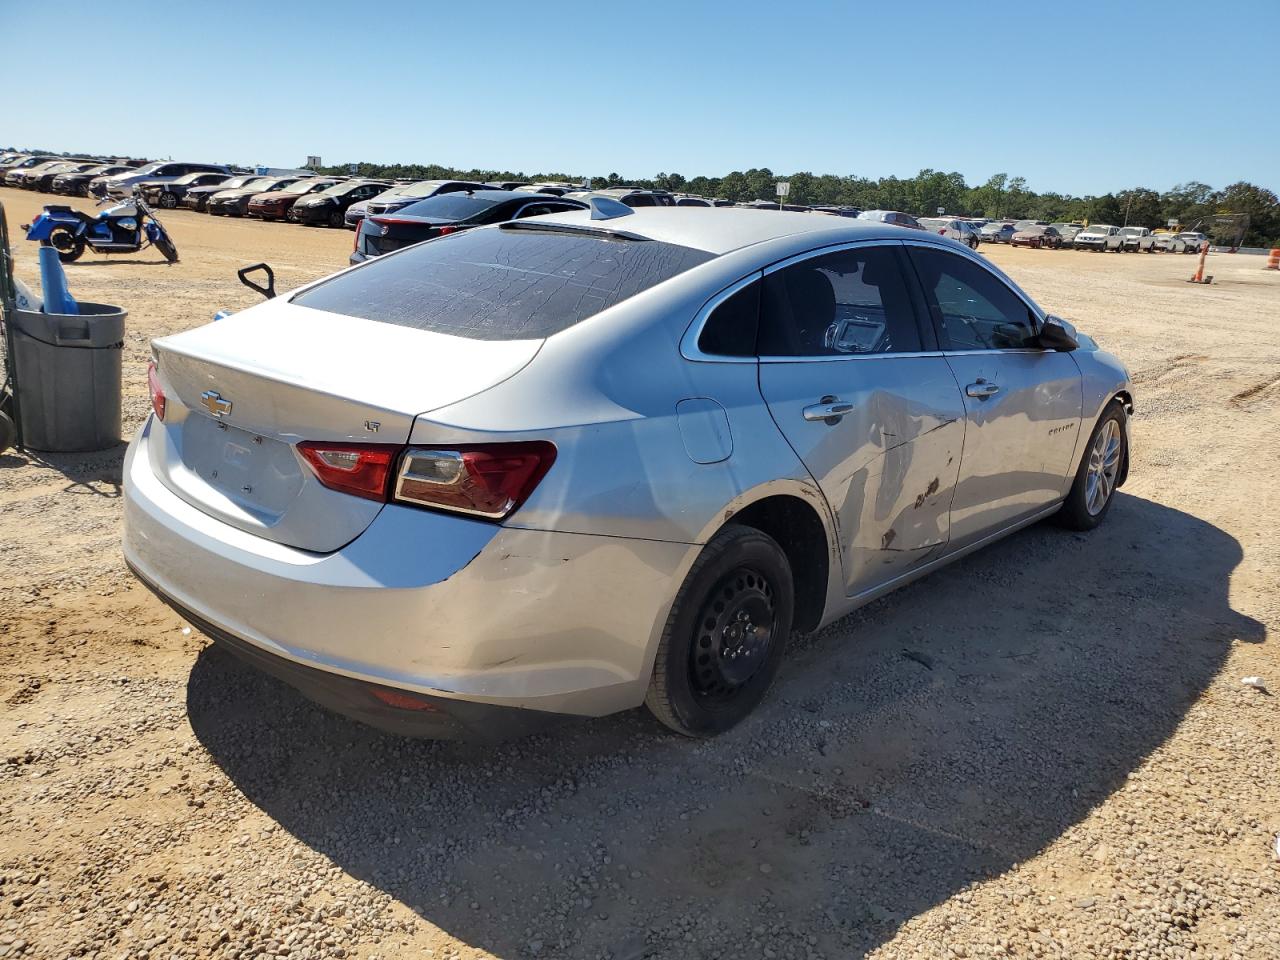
(573, 464)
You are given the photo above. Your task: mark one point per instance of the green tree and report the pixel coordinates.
(1140, 207)
(1260, 205)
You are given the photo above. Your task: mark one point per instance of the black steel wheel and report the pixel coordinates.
(336, 218)
(725, 636)
(67, 242)
(736, 626)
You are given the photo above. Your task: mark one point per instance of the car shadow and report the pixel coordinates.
(118, 261)
(935, 738)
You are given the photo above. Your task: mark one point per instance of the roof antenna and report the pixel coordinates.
(605, 208)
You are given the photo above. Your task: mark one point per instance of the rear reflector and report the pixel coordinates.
(486, 480)
(360, 469)
(403, 700)
(157, 392)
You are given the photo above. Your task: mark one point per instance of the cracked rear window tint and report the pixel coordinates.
(501, 285)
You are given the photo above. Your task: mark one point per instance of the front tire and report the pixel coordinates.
(725, 636)
(167, 200)
(336, 218)
(1100, 471)
(166, 247)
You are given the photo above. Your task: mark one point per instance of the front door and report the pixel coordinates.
(1022, 403)
(877, 420)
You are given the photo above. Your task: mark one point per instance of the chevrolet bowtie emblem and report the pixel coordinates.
(214, 403)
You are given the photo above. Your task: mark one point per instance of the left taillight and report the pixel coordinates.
(157, 391)
(360, 469)
(488, 480)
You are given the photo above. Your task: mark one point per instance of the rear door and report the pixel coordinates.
(854, 382)
(1022, 403)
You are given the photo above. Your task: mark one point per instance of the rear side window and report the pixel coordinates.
(850, 302)
(730, 330)
(501, 284)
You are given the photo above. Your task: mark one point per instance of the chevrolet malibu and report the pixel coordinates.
(570, 465)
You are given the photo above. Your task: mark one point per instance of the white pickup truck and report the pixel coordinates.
(1097, 236)
(1133, 239)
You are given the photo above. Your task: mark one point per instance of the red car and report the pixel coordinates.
(1038, 237)
(275, 204)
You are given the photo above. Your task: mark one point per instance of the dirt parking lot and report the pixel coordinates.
(1043, 751)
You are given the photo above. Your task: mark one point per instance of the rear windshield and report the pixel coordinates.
(498, 284)
(448, 206)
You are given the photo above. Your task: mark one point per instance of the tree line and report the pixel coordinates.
(1001, 196)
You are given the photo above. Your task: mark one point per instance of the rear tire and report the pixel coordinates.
(70, 246)
(1100, 470)
(725, 636)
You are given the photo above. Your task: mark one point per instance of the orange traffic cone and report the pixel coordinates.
(1199, 277)
(1273, 261)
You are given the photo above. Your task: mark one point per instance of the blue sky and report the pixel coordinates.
(1081, 97)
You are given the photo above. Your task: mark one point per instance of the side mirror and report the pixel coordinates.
(1057, 334)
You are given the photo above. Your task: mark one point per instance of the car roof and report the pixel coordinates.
(499, 196)
(731, 228)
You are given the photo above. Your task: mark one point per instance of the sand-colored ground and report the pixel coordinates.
(1077, 772)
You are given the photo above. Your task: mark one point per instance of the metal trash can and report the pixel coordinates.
(68, 377)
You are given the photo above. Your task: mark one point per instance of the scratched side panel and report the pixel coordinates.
(888, 468)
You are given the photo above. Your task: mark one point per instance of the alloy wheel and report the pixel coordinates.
(1104, 465)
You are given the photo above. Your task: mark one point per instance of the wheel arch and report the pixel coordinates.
(796, 519)
(1126, 401)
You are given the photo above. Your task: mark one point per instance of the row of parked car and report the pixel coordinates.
(1098, 237)
(426, 208)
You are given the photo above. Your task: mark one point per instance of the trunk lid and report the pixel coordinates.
(242, 392)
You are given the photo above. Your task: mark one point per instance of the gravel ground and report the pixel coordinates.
(1043, 751)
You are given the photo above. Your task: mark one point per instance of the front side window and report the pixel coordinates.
(974, 309)
(849, 302)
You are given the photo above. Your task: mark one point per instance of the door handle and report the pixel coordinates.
(828, 409)
(982, 389)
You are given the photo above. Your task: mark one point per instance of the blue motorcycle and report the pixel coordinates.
(124, 227)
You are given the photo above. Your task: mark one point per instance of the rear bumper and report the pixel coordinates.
(427, 602)
(433, 718)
